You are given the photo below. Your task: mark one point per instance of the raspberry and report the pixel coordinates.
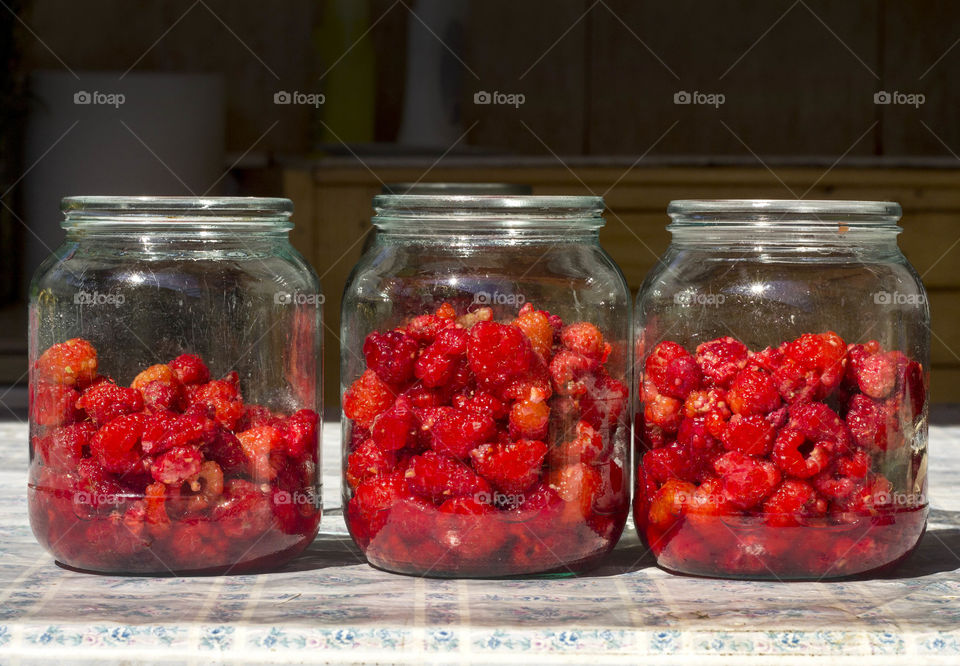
(529, 420)
(605, 401)
(914, 384)
(105, 401)
(258, 444)
(455, 432)
(391, 355)
(53, 405)
(874, 425)
(96, 490)
(155, 373)
(481, 403)
(155, 508)
(664, 412)
(162, 396)
(438, 362)
(62, 448)
(465, 506)
(877, 373)
(752, 435)
(695, 436)
(855, 466)
(586, 446)
(799, 456)
(709, 499)
(177, 465)
(225, 449)
(816, 422)
(396, 427)
(669, 462)
(425, 328)
(299, 432)
(747, 481)
(469, 319)
(439, 477)
(769, 359)
(585, 339)
(243, 512)
(673, 371)
(205, 487)
(652, 436)
(752, 392)
(190, 369)
(712, 406)
(115, 445)
(498, 353)
(566, 372)
(792, 502)
(670, 503)
(535, 324)
(165, 430)
(577, 484)
(720, 360)
(368, 461)
(874, 496)
(367, 397)
(224, 398)
(510, 468)
(70, 363)
(814, 365)
(422, 397)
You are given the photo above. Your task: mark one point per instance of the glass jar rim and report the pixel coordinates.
(478, 212)
(193, 213)
(808, 211)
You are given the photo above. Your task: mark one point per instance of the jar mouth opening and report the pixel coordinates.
(478, 212)
(176, 212)
(784, 212)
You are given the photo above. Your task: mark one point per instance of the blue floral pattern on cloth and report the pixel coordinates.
(329, 605)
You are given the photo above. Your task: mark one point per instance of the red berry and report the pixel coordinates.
(813, 366)
(670, 503)
(604, 401)
(165, 430)
(53, 405)
(455, 432)
(425, 328)
(367, 397)
(567, 370)
(244, 512)
(585, 339)
(510, 468)
(391, 355)
(720, 360)
(874, 425)
(579, 485)
(695, 436)
(481, 403)
(747, 481)
(877, 373)
(791, 503)
(673, 371)
(816, 421)
(662, 411)
(162, 396)
(223, 397)
(536, 325)
(498, 353)
(115, 445)
(529, 420)
(105, 401)
(96, 491)
(396, 427)
(438, 362)
(752, 392)
(70, 363)
(258, 444)
(586, 446)
(155, 373)
(439, 477)
(670, 462)
(300, 433)
(225, 449)
(177, 465)
(368, 461)
(800, 457)
(190, 369)
(62, 448)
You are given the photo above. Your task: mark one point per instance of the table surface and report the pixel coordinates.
(329, 605)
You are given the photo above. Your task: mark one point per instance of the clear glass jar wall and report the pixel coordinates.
(175, 387)
(484, 372)
(782, 369)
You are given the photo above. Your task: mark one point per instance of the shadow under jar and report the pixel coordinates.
(484, 372)
(782, 368)
(175, 387)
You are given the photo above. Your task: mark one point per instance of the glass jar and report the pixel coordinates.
(782, 365)
(175, 387)
(484, 372)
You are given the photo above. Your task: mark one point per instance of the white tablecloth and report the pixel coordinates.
(330, 606)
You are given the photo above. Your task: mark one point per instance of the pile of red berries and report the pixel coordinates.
(173, 473)
(486, 448)
(776, 463)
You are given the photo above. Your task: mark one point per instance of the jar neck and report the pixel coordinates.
(783, 236)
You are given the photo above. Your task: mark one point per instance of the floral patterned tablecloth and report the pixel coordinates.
(330, 606)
